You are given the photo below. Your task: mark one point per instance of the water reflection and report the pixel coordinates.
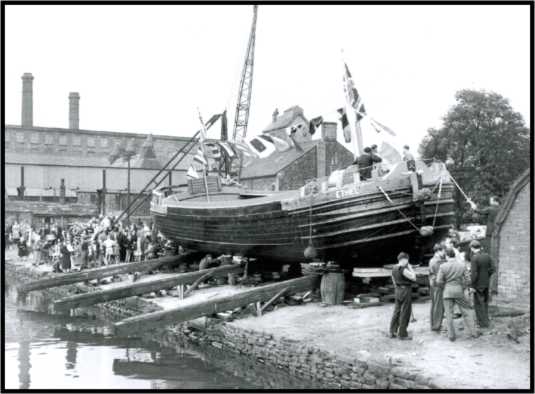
(24, 356)
(41, 353)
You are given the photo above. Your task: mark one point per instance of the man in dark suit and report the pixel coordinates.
(450, 277)
(365, 163)
(402, 276)
(481, 272)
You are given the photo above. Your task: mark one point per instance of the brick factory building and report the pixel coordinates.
(53, 165)
(511, 245)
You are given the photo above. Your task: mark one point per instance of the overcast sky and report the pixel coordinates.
(146, 69)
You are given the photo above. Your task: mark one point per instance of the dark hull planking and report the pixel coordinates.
(360, 230)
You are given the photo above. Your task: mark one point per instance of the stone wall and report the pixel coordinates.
(304, 365)
(323, 369)
(514, 269)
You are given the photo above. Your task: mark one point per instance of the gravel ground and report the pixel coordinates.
(492, 361)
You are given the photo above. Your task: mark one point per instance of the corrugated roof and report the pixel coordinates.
(286, 119)
(272, 164)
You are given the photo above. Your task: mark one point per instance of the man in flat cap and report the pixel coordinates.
(403, 277)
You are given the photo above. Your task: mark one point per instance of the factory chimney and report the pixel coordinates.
(27, 100)
(74, 110)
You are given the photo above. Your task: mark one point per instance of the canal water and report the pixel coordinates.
(42, 353)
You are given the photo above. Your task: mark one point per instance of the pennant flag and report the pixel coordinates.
(212, 151)
(314, 124)
(389, 153)
(345, 124)
(298, 127)
(352, 95)
(200, 158)
(279, 143)
(261, 147)
(381, 127)
(295, 144)
(226, 149)
(244, 149)
(192, 174)
(224, 129)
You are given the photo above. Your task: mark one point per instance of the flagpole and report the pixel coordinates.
(203, 135)
(358, 131)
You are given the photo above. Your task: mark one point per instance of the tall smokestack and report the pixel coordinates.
(27, 100)
(74, 110)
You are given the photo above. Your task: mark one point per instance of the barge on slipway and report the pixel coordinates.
(345, 219)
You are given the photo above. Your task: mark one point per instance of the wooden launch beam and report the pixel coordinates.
(220, 304)
(138, 288)
(101, 272)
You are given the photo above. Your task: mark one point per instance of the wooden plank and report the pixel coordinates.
(138, 288)
(273, 299)
(96, 273)
(160, 319)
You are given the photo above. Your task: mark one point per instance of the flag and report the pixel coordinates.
(224, 129)
(381, 127)
(192, 173)
(352, 95)
(314, 124)
(345, 124)
(389, 153)
(244, 149)
(295, 144)
(226, 149)
(200, 158)
(261, 147)
(279, 143)
(212, 150)
(298, 127)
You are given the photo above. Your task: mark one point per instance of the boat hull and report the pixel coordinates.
(362, 230)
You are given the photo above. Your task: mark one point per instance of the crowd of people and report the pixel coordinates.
(97, 242)
(457, 279)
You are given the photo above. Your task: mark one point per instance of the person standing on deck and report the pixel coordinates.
(437, 302)
(450, 277)
(481, 272)
(402, 277)
(409, 158)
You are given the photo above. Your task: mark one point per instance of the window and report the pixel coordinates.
(76, 140)
(20, 136)
(104, 142)
(34, 138)
(90, 141)
(49, 139)
(63, 140)
(7, 136)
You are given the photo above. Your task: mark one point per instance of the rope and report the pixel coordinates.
(468, 200)
(402, 214)
(438, 200)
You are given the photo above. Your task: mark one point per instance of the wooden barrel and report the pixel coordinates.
(332, 288)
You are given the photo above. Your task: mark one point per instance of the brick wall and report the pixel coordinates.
(514, 274)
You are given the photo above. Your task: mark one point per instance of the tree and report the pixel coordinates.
(487, 141)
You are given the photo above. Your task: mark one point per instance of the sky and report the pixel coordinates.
(142, 68)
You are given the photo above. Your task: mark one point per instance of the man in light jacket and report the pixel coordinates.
(451, 277)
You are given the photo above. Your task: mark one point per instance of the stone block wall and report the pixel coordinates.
(514, 269)
(324, 370)
(297, 173)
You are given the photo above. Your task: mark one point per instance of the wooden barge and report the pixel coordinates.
(351, 221)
